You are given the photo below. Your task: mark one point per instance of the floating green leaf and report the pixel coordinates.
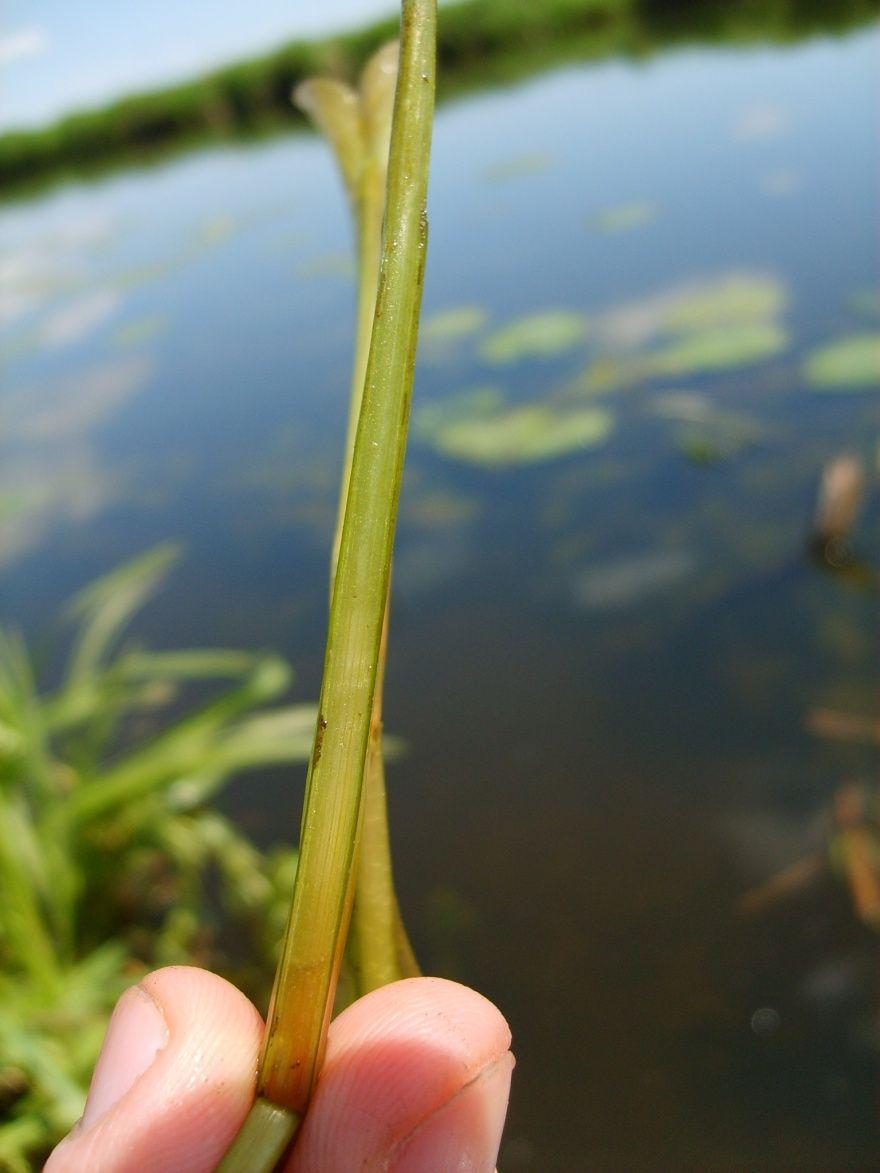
(852, 363)
(539, 335)
(718, 349)
(607, 374)
(452, 324)
(735, 299)
(724, 300)
(480, 430)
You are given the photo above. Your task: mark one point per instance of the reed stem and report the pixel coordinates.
(308, 971)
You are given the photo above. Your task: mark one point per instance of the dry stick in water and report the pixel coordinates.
(305, 984)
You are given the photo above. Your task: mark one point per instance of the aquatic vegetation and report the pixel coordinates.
(718, 323)
(623, 217)
(106, 837)
(359, 125)
(478, 427)
(709, 434)
(733, 299)
(727, 300)
(851, 363)
(606, 374)
(339, 805)
(718, 349)
(536, 335)
(451, 325)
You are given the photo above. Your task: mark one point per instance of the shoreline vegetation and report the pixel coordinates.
(480, 43)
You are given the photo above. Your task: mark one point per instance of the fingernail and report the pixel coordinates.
(136, 1034)
(465, 1133)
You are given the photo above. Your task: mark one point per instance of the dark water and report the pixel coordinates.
(601, 662)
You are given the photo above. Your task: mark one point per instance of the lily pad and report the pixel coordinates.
(450, 325)
(728, 299)
(736, 298)
(852, 363)
(719, 349)
(480, 430)
(466, 405)
(623, 217)
(606, 375)
(539, 335)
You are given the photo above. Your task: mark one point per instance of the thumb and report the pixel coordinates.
(174, 1080)
(416, 1080)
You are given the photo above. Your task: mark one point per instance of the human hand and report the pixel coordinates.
(416, 1080)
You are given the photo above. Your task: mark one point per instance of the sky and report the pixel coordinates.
(60, 55)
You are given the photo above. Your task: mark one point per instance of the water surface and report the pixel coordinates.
(602, 658)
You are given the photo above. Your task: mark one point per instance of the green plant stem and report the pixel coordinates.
(305, 984)
(375, 912)
(264, 1136)
(376, 920)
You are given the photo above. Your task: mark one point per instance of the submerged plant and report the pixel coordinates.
(346, 753)
(106, 838)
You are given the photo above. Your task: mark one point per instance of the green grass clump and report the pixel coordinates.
(108, 845)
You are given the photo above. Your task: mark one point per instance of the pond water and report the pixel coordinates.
(606, 633)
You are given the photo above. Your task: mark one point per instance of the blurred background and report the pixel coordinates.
(627, 686)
